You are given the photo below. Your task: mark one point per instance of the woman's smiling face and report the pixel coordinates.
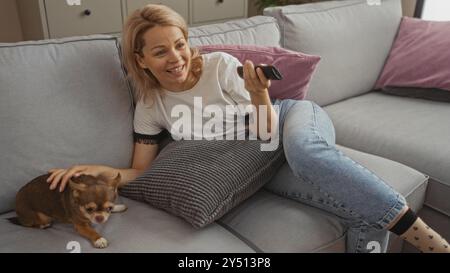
(167, 55)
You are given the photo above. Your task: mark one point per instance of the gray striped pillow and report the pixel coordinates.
(200, 180)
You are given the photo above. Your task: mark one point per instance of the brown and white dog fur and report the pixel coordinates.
(87, 200)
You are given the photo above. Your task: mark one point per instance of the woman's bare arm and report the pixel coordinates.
(143, 156)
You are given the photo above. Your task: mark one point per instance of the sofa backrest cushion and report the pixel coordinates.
(62, 102)
(352, 37)
(257, 30)
(296, 68)
(420, 56)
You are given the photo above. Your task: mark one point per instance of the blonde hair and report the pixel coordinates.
(137, 24)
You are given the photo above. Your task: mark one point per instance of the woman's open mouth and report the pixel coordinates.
(177, 71)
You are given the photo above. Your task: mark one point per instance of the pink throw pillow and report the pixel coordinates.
(420, 56)
(297, 68)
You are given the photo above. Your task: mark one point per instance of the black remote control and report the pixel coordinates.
(269, 71)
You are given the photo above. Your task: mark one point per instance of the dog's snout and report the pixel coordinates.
(99, 218)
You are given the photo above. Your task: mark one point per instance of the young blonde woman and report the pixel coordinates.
(166, 72)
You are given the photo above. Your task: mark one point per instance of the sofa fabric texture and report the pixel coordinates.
(62, 102)
(257, 30)
(44, 105)
(352, 38)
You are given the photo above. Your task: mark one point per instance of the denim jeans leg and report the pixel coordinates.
(286, 184)
(335, 182)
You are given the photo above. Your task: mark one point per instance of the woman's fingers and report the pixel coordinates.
(52, 174)
(254, 80)
(249, 72)
(56, 177)
(69, 173)
(252, 73)
(262, 78)
(62, 176)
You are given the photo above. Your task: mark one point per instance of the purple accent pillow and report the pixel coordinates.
(297, 68)
(420, 56)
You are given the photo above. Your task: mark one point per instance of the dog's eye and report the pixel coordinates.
(109, 209)
(90, 210)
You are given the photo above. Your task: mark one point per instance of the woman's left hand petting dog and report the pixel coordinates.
(88, 200)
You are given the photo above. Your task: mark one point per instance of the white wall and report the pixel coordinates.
(436, 10)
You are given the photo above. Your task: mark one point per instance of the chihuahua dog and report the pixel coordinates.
(87, 200)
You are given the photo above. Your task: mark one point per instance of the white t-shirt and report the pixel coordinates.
(218, 86)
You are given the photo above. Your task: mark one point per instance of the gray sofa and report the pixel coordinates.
(66, 101)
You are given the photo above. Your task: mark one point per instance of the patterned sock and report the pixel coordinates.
(413, 230)
(425, 239)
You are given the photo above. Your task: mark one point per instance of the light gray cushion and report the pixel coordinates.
(276, 224)
(257, 30)
(411, 131)
(419, 93)
(271, 223)
(352, 37)
(263, 223)
(141, 228)
(62, 102)
(200, 180)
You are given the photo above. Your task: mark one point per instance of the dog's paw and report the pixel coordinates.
(119, 208)
(45, 226)
(101, 243)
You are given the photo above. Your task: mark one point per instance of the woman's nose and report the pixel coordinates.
(174, 56)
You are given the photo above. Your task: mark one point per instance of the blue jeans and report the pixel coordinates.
(324, 177)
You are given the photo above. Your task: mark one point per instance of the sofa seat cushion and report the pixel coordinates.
(141, 228)
(273, 223)
(266, 222)
(412, 131)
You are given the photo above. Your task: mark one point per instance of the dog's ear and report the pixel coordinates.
(115, 182)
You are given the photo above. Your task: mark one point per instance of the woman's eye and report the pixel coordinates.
(159, 53)
(163, 52)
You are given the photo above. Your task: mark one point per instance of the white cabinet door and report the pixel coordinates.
(213, 10)
(91, 17)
